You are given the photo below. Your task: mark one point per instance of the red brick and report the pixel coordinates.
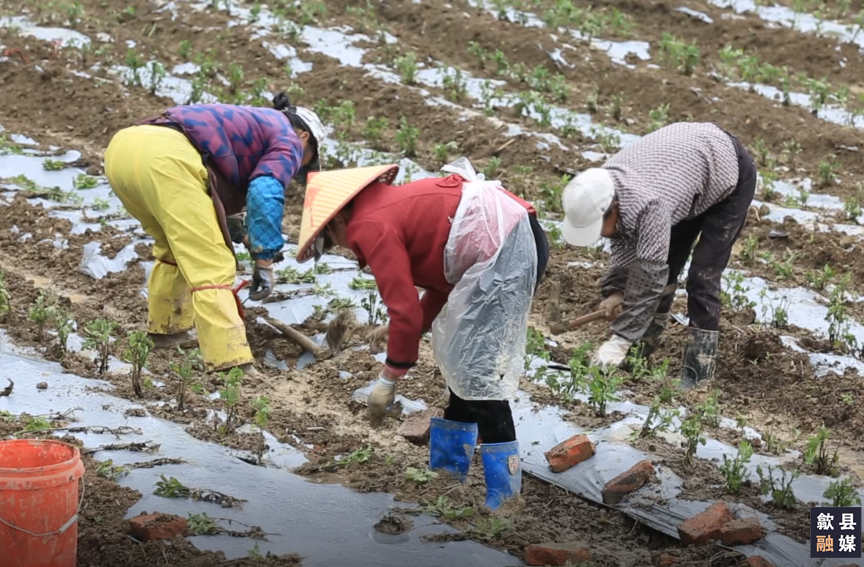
(157, 526)
(705, 527)
(627, 482)
(757, 561)
(557, 554)
(569, 453)
(416, 428)
(667, 560)
(741, 532)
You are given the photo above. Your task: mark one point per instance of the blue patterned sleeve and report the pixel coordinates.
(264, 208)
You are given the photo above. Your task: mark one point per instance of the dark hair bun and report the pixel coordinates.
(281, 102)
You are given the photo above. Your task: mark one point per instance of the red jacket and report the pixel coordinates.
(400, 233)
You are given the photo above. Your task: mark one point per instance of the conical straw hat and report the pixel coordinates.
(327, 193)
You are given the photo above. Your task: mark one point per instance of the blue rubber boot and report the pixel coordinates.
(503, 471)
(451, 446)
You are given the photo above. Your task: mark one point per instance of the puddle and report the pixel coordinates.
(317, 521)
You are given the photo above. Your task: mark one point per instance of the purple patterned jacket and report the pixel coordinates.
(239, 142)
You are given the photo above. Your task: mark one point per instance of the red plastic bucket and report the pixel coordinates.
(39, 503)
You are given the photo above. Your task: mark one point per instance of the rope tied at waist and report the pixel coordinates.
(234, 291)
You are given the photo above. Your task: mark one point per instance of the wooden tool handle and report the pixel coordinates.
(579, 321)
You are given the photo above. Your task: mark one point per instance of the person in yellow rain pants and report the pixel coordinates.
(181, 174)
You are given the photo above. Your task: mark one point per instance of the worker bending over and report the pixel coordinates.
(654, 199)
(479, 254)
(181, 174)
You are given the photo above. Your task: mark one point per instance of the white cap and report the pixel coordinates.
(316, 129)
(585, 200)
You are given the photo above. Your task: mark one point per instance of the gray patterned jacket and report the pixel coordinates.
(671, 175)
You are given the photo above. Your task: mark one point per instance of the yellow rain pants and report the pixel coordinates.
(160, 178)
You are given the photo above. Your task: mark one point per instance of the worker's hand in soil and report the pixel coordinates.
(382, 396)
(377, 339)
(262, 280)
(237, 230)
(611, 353)
(612, 305)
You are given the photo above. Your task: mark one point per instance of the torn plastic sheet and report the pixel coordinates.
(656, 505)
(97, 266)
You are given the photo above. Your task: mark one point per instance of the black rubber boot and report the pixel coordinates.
(700, 357)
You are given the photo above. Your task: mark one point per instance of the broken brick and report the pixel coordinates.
(757, 561)
(557, 554)
(741, 532)
(627, 482)
(569, 453)
(705, 527)
(152, 527)
(415, 429)
(667, 560)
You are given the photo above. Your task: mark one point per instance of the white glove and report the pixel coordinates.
(611, 353)
(382, 396)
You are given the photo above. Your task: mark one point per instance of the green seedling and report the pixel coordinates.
(492, 167)
(735, 470)
(261, 405)
(819, 456)
(84, 181)
(441, 152)
(779, 311)
(202, 524)
(230, 396)
(407, 67)
(235, 78)
(5, 296)
(444, 508)
(780, 490)
(41, 310)
(172, 488)
(821, 278)
(769, 178)
(406, 137)
(455, 85)
(100, 204)
(255, 553)
(491, 528)
(620, 23)
(838, 314)
(135, 64)
(658, 420)
(244, 256)
(190, 362)
(110, 471)
(828, 171)
(750, 251)
(184, 49)
(679, 55)
(734, 293)
(550, 192)
(139, 347)
(375, 309)
(592, 101)
(98, 338)
(374, 129)
(842, 493)
(63, 324)
(616, 107)
(488, 96)
(363, 284)
(420, 476)
(786, 269)
(254, 12)
(157, 75)
(291, 275)
(53, 165)
(608, 140)
(37, 423)
(762, 153)
(7, 146)
(603, 389)
(658, 117)
(6, 417)
(693, 427)
(479, 52)
(535, 349)
(852, 206)
(323, 269)
(847, 399)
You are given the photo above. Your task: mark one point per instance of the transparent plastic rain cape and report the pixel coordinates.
(478, 339)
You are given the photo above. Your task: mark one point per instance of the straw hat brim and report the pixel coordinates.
(327, 193)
